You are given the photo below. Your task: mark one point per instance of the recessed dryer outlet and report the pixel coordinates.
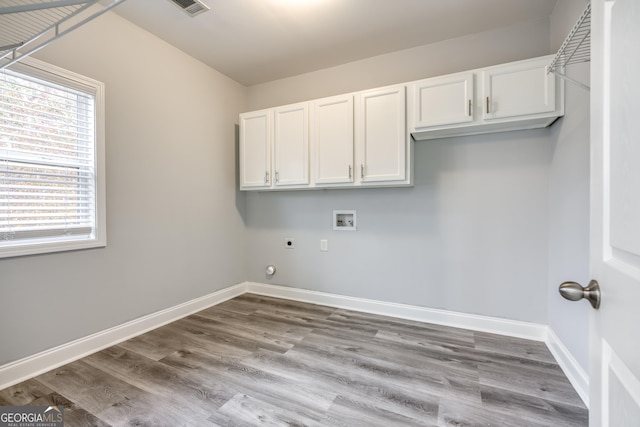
(344, 220)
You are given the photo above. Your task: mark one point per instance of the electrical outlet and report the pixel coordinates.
(289, 243)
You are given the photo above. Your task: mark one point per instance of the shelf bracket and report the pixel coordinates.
(570, 80)
(575, 49)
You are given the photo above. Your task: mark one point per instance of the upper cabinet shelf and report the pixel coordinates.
(575, 49)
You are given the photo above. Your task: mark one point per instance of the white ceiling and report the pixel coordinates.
(255, 41)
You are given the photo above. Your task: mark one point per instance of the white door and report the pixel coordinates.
(291, 145)
(615, 213)
(255, 149)
(442, 101)
(521, 88)
(332, 139)
(381, 134)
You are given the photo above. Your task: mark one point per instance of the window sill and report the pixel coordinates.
(43, 247)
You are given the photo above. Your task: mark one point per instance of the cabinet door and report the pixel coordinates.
(332, 139)
(381, 134)
(443, 100)
(255, 149)
(291, 145)
(522, 88)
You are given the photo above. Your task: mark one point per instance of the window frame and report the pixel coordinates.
(50, 73)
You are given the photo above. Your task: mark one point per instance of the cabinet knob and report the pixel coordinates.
(266, 177)
(350, 175)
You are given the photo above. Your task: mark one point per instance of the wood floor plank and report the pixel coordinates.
(110, 399)
(399, 353)
(240, 342)
(314, 323)
(349, 412)
(354, 379)
(91, 389)
(373, 357)
(257, 360)
(386, 323)
(245, 410)
(261, 384)
(519, 347)
(454, 413)
(160, 379)
(532, 408)
(258, 322)
(24, 393)
(265, 303)
(238, 306)
(426, 338)
(73, 414)
(529, 381)
(148, 410)
(168, 339)
(263, 339)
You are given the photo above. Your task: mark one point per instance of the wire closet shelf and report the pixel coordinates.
(575, 49)
(27, 26)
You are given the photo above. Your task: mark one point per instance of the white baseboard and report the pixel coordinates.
(29, 367)
(513, 328)
(577, 376)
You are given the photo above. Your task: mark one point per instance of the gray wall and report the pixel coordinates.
(569, 197)
(471, 236)
(175, 228)
(523, 41)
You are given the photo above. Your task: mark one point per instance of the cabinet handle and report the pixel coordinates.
(487, 105)
(362, 171)
(266, 177)
(349, 171)
(469, 108)
(277, 177)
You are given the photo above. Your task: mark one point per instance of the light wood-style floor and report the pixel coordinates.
(257, 360)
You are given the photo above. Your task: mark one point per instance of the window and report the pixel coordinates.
(51, 160)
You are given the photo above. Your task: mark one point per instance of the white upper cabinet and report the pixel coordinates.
(291, 145)
(513, 96)
(444, 100)
(520, 89)
(274, 148)
(381, 143)
(332, 140)
(353, 140)
(255, 149)
(365, 139)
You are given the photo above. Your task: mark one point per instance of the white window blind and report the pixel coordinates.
(48, 165)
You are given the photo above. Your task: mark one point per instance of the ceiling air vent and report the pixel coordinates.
(191, 7)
